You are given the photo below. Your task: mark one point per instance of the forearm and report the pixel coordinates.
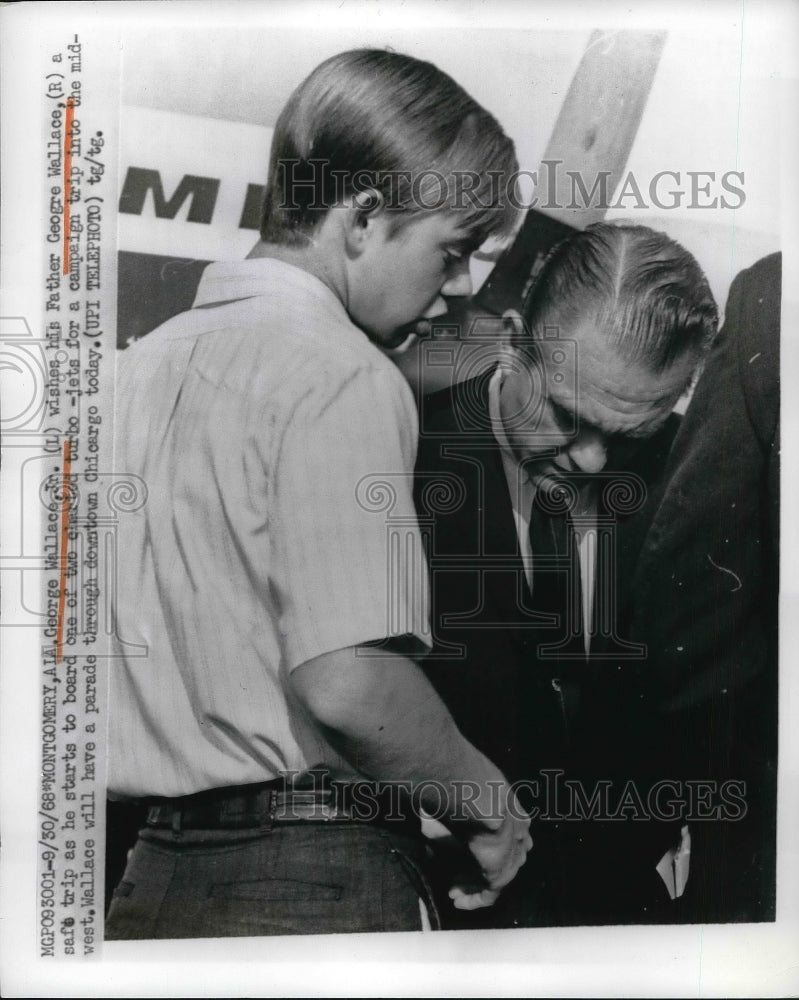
(383, 715)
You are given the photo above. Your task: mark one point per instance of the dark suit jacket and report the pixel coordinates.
(706, 588)
(484, 662)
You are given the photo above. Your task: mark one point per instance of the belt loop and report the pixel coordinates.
(177, 816)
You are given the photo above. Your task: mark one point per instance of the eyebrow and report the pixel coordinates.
(464, 244)
(570, 420)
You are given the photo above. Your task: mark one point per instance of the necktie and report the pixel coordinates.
(556, 585)
(556, 580)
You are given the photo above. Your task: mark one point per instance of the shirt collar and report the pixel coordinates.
(521, 489)
(227, 281)
(495, 415)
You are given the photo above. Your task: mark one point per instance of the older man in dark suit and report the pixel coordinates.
(535, 483)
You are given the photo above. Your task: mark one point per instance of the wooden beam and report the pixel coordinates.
(596, 127)
(590, 144)
(598, 120)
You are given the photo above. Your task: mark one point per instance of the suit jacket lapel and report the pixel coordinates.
(505, 586)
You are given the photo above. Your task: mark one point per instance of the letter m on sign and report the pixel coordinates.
(201, 190)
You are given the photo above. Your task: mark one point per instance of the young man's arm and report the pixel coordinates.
(383, 715)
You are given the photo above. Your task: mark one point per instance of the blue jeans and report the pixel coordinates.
(303, 878)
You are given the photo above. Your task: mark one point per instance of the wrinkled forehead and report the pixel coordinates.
(587, 375)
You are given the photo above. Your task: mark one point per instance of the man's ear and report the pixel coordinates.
(364, 210)
(511, 336)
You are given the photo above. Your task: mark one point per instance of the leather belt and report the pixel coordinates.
(246, 807)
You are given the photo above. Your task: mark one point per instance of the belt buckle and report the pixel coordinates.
(308, 806)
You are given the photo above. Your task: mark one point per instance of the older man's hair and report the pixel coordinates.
(370, 120)
(643, 290)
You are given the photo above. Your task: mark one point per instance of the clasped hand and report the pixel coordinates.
(496, 856)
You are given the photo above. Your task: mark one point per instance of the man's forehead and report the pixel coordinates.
(588, 365)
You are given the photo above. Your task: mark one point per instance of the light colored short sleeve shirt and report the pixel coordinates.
(263, 423)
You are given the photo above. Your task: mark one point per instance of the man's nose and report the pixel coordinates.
(589, 451)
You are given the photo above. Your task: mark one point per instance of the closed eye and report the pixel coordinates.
(461, 249)
(565, 419)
